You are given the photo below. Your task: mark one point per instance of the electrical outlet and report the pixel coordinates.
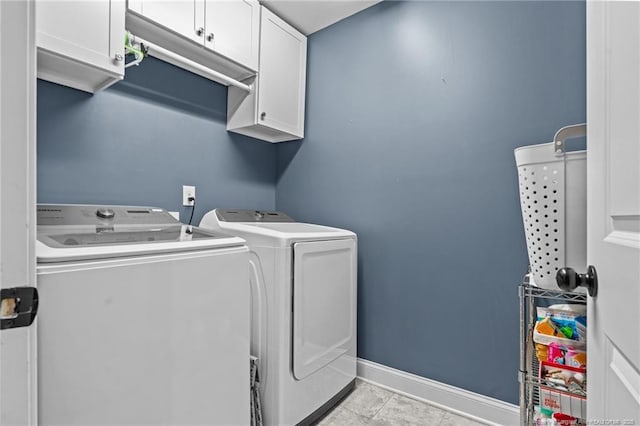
(188, 192)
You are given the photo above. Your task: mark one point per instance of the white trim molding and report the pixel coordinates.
(475, 406)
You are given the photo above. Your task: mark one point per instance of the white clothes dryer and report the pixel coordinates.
(142, 320)
(303, 310)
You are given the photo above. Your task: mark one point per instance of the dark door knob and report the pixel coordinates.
(568, 280)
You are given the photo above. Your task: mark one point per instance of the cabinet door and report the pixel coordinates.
(232, 29)
(185, 17)
(89, 32)
(282, 77)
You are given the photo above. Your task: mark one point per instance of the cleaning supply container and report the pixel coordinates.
(553, 199)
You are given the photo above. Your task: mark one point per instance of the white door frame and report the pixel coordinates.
(18, 373)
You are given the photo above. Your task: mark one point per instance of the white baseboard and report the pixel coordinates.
(463, 402)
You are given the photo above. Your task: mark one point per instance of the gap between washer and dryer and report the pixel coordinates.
(371, 405)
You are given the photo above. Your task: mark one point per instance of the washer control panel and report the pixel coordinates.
(230, 215)
(80, 215)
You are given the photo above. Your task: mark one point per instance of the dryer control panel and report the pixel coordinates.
(230, 215)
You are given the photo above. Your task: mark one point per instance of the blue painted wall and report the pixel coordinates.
(413, 112)
(139, 141)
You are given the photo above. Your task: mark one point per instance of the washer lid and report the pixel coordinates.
(69, 232)
(96, 236)
(72, 243)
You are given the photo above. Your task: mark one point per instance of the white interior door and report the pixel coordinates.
(613, 194)
(17, 203)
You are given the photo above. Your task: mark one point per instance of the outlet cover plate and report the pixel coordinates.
(188, 191)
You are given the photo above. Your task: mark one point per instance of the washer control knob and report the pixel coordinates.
(105, 213)
(258, 214)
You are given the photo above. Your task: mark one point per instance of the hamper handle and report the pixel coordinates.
(568, 132)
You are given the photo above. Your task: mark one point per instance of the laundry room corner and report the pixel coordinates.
(413, 112)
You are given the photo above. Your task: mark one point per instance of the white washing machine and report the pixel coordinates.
(303, 307)
(142, 320)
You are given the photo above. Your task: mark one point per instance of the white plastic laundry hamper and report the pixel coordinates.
(553, 198)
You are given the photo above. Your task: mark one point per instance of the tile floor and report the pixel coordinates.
(371, 405)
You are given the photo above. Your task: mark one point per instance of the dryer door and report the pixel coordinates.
(324, 303)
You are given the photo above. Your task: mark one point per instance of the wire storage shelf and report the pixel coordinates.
(556, 295)
(533, 389)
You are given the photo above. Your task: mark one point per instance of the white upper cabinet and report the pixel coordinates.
(184, 17)
(282, 75)
(274, 110)
(81, 43)
(232, 28)
(229, 28)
